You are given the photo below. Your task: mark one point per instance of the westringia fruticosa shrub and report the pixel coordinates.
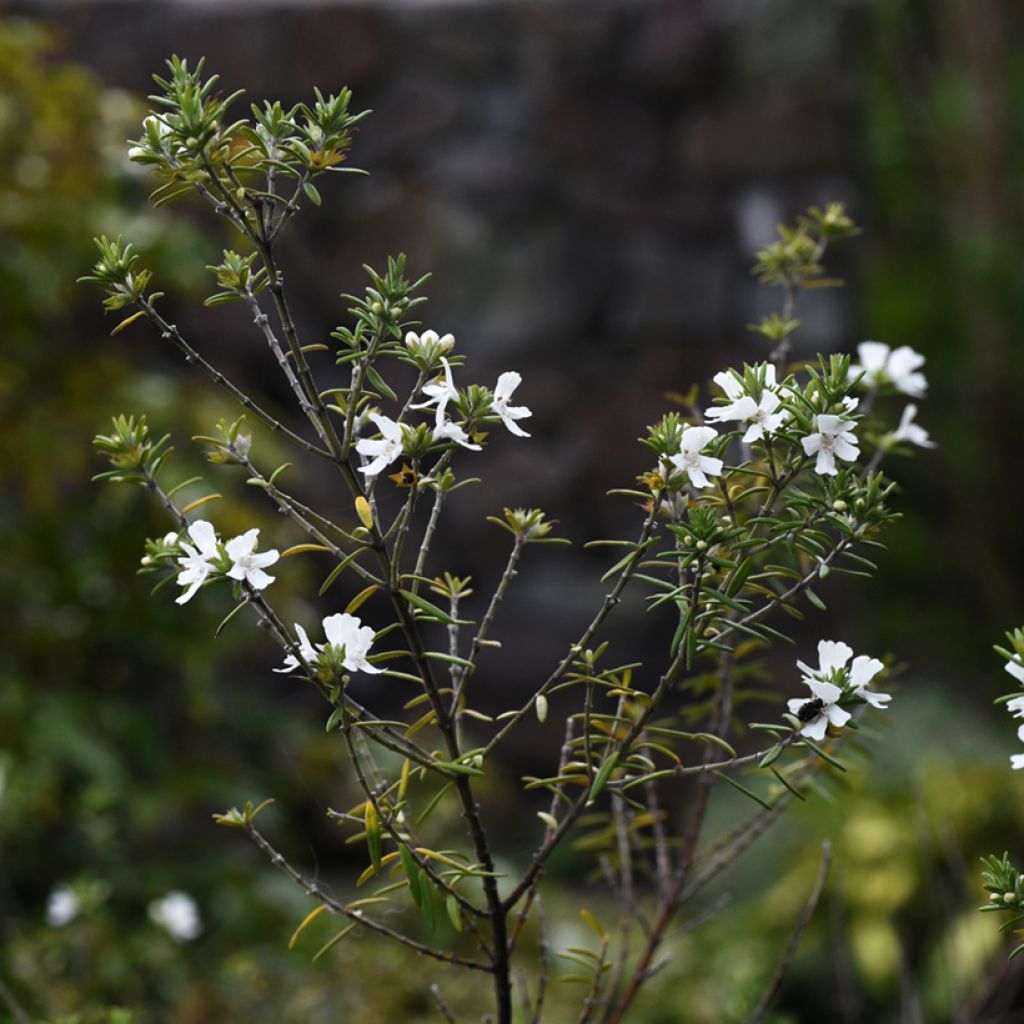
(749, 505)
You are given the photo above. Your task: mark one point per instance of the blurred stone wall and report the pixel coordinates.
(585, 179)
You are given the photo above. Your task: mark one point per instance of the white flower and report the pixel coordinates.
(197, 562)
(899, 367)
(508, 414)
(344, 632)
(384, 450)
(453, 432)
(762, 414)
(696, 466)
(247, 563)
(820, 710)
(178, 915)
(62, 906)
(833, 438)
(833, 656)
(347, 631)
(306, 649)
(1016, 669)
(1017, 760)
(440, 394)
(1016, 707)
(911, 432)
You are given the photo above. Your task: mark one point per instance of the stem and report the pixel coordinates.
(313, 890)
(794, 941)
(170, 332)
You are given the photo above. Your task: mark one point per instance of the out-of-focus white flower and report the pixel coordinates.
(344, 632)
(833, 439)
(62, 906)
(1017, 760)
(761, 413)
(899, 367)
(247, 563)
(697, 467)
(508, 414)
(383, 450)
(178, 915)
(1016, 669)
(910, 431)
(197, 562)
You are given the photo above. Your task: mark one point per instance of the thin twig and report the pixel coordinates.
(794, 940)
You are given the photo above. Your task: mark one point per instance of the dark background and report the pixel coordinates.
(587, 183)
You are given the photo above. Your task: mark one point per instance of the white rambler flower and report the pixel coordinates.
(819, 711)
(62, 906)
(899, 367)
(306, 649)
(762, 414)
(197, 562)
(384, 450)
(911, 432)
(247, 563)
(833, 656)
(440, 394)
(449, 431)
(696, 466)
(508, 414)
(1016, 669)
(344, 630)
(833, 439)
(170, 538)
(178, 915)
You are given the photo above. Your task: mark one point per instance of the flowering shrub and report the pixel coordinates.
(739, 524)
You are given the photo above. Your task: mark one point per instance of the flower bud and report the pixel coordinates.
(701, 545)
(839, 506)
(376, 309)
(1009, 897)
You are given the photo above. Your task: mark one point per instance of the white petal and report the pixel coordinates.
(1016, 761)
(876, 700)
(827, 692)
(1016, 669)
(796, 703)
(811, 443)
(204, 535)
(845, 449)
(836, 715)
(259, 579)
(243, 544)
(863, 670)
(815, 730)
(507, 383)
(825, 464)
(728, 382)
(1016, 707)
(697, 477)
(696, 438)
(833, 654)
(264, 558)
(873, 356)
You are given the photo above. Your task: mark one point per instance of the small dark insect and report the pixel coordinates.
(809, 711)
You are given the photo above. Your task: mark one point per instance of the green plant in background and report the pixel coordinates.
(739, 523)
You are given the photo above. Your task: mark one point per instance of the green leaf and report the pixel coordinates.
(602, 777)
(314, 196)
